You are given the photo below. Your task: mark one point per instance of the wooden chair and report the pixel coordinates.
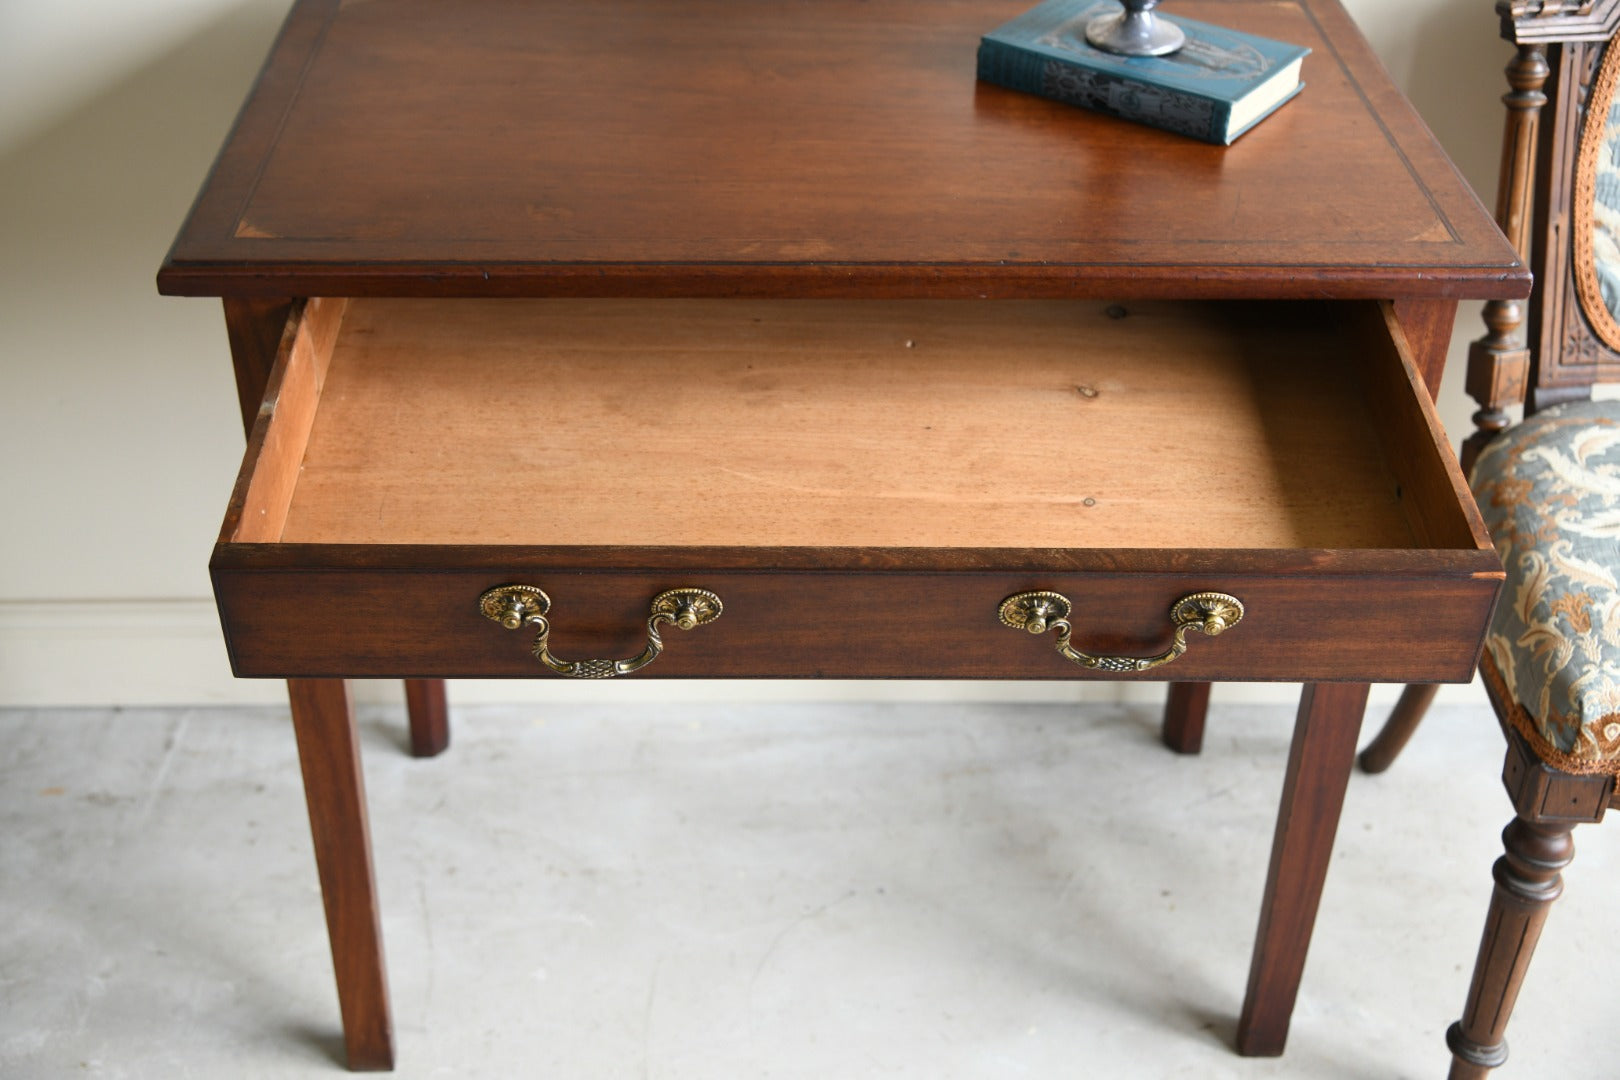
(1549, 488)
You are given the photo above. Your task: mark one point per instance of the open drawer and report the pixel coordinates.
(862, 484)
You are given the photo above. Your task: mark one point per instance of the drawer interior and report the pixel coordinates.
(1027, 424)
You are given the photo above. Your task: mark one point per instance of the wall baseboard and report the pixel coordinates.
(169, 652)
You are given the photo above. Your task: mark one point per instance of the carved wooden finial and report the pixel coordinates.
(1499, 362)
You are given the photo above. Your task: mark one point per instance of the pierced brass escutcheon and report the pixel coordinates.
(515, 606)
(1209, 613)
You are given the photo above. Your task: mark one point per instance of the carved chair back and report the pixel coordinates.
(1558, 201)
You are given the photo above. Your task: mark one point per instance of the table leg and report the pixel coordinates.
(254, 328)
(1184, 711)
(334, 788)
(1319, 765)
(429, 713)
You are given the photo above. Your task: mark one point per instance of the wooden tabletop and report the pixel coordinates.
(841, 148)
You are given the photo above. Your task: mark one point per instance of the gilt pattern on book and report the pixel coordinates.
(1220, 84)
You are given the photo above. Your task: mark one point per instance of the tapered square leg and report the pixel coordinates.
(429, 713)
(1319, 765)
(1184, 712)
(329, 754)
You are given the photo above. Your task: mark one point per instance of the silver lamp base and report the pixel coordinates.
(1135, 31)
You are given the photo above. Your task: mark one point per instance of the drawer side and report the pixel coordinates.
(280, 435)
(1433, 493)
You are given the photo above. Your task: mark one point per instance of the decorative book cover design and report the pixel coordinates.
(1216, 87)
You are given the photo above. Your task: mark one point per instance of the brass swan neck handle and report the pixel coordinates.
(516, 606)
(1209, 613)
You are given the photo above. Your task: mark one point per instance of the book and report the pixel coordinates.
(1215, 87)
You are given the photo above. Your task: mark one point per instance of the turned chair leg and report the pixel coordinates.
(1319, 764)
(1184, 711)
(329, 754)
(429, 713)
(1528, 879)
(1403, 721)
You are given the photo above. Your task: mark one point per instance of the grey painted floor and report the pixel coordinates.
(792, 891)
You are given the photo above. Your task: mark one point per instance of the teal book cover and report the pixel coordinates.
(1215, 87)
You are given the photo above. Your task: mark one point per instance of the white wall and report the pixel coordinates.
(117, 411)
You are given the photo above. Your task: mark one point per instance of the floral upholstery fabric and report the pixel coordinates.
(1550, 493)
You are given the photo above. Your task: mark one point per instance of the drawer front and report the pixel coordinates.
(1297, 626)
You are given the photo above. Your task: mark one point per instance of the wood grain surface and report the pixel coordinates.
(843, 148)
(1433, 492)
(292, 399)
(1319, 763)
(335, 792)
(325, 619)
(1025, 424)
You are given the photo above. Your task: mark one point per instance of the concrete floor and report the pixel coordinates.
(786, 891)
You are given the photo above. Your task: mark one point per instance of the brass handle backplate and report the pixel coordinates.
(1209, 613)
(516, 606)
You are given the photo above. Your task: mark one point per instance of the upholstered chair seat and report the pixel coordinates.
(1549, 489)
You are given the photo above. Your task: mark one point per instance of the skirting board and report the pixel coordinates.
(169, 652)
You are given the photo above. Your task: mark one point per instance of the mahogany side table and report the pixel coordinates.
(731, 339)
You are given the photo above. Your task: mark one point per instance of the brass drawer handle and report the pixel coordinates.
(514, 606)
(1037, 612)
